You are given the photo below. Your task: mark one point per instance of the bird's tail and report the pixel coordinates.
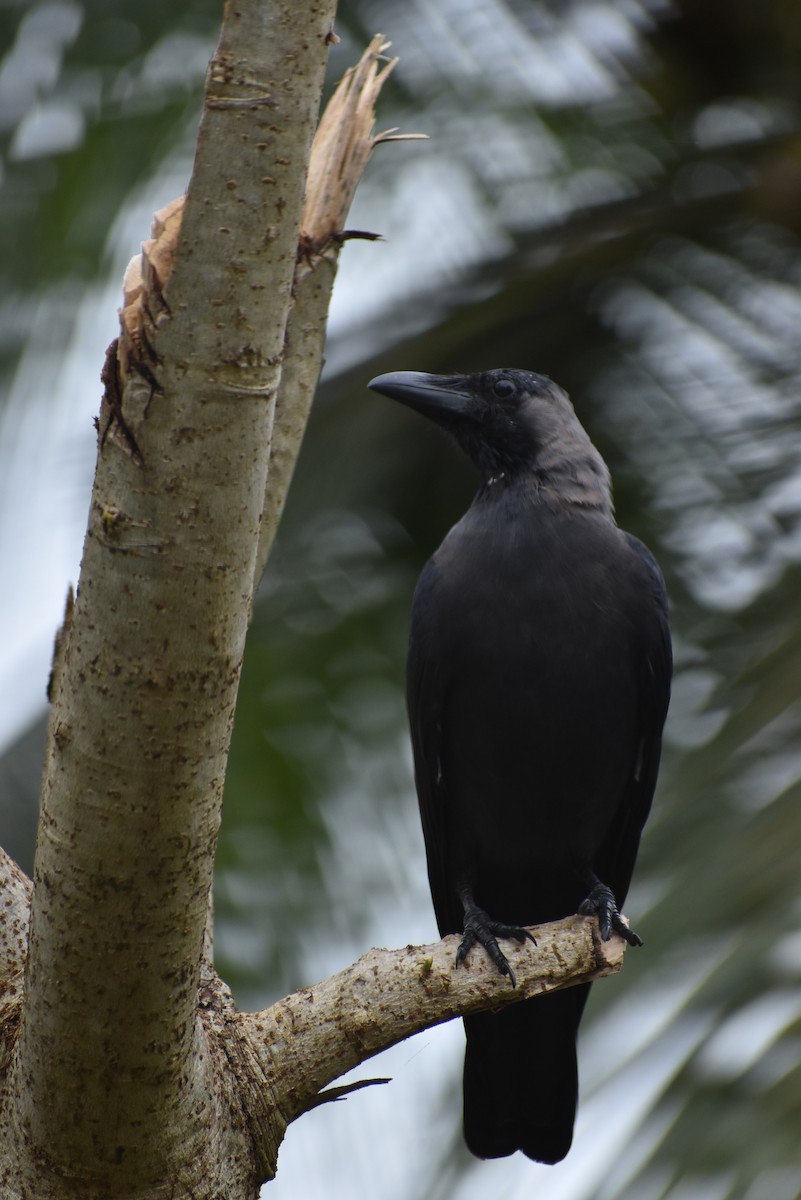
(520, 1077)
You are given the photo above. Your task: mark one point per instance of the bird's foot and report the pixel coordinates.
(480, 928)
(601, 903)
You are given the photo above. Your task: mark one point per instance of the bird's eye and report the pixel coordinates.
(504, 388)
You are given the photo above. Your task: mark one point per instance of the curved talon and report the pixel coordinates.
(506, 969)
(465, 946)
(480, 928)
(601, 903)
(628, 934)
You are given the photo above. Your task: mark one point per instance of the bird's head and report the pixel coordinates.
(513, 425)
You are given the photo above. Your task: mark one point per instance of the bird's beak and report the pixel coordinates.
(434, 396)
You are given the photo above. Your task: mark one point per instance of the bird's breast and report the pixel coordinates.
(526, 623)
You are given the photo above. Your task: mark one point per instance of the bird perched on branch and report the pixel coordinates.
(538, 678)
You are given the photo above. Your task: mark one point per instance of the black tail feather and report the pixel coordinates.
(520, 1077)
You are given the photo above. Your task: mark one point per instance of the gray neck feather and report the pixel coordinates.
(573, 473)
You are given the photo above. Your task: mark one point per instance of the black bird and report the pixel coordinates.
(538, 679)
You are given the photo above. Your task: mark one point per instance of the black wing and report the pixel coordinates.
(425, 700)
(654, 659)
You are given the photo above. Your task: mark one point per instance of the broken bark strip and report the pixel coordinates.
(344, 141)
(342, 146)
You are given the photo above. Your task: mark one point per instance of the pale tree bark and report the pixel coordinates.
(127, 1069)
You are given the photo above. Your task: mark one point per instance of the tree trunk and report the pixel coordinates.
(127, 1069)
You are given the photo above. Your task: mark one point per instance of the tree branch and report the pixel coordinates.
(302, 1043)
(343, 143)
(342, 146)
(15, 912)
